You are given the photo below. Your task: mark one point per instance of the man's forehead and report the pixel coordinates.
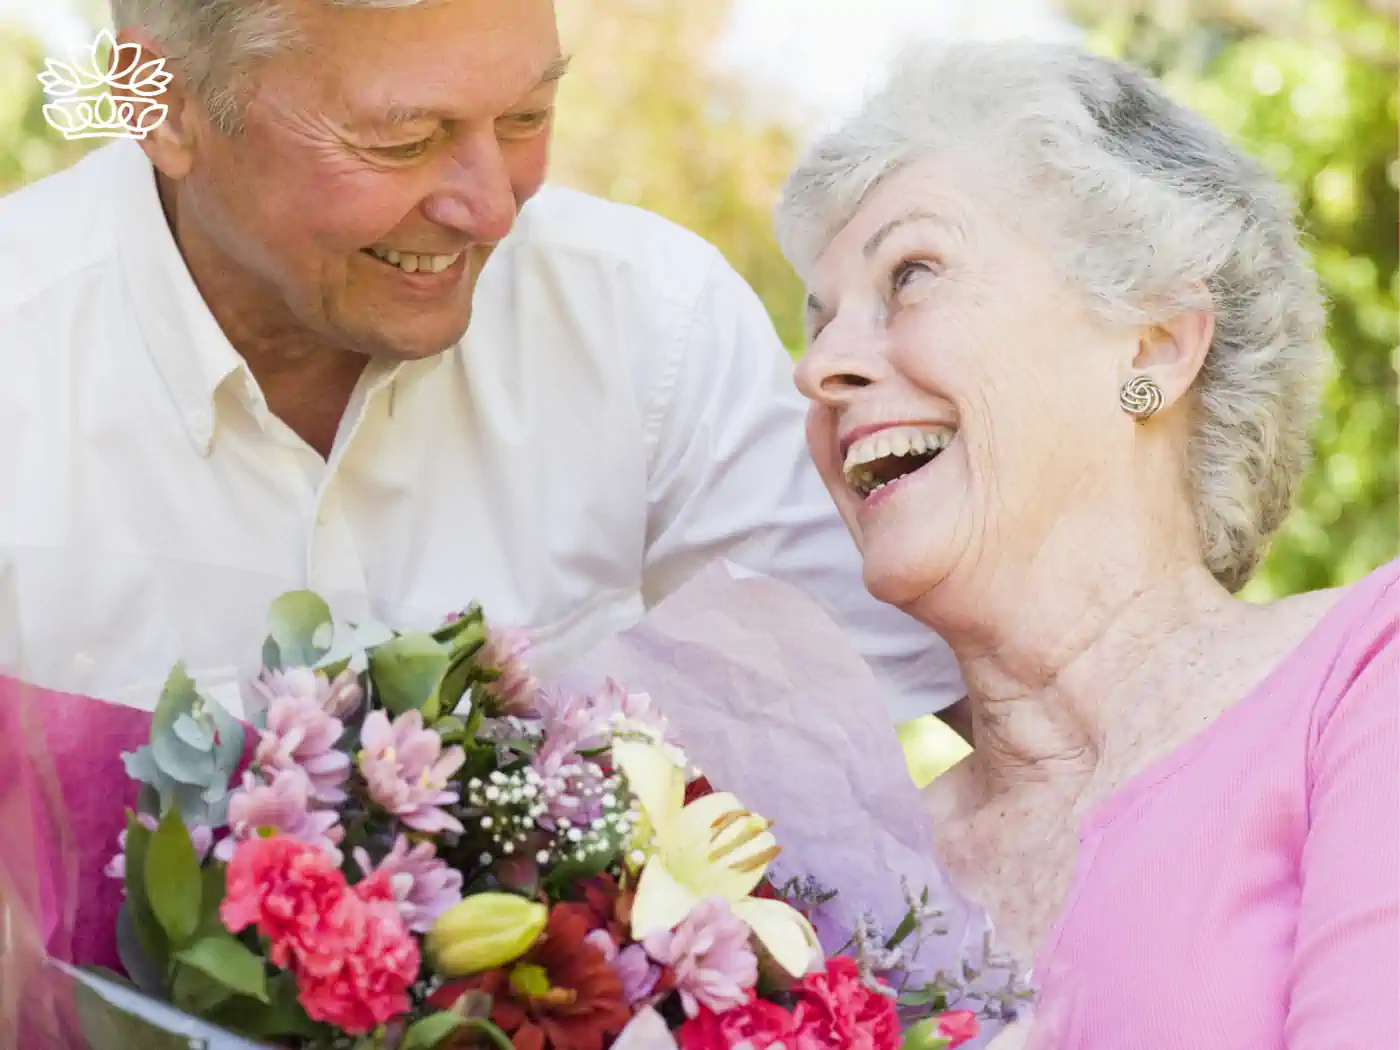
(452, 60)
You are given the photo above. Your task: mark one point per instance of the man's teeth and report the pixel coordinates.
(410, 263)
(871, 463)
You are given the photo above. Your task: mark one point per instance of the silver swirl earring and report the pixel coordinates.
(1141, 398)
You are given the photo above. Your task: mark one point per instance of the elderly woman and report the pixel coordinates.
(1064, 348)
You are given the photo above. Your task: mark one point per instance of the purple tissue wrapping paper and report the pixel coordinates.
(772, 703)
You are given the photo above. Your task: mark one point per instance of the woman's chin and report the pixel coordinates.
(900, 578)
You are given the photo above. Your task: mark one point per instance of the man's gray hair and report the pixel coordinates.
(1153, 212)
(215, 43)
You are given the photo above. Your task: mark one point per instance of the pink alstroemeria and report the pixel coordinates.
(339, 699)
(300, 734)
(260, 809)
(407, 771)
(517, 688)
(424, 886)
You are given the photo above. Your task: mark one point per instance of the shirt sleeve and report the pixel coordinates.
(729, 476)
(1345, 992)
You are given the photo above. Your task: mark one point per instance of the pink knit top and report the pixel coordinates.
(1243, 893)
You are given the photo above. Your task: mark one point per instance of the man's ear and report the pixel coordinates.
(170, 145)
(1173, 352)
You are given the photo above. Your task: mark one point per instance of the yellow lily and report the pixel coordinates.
(713, 847)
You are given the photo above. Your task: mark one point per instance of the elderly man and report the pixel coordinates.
(323, 328)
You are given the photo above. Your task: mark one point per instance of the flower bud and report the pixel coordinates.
(484, 931)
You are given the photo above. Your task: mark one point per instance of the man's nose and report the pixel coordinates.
(477, 197)
(840, 362)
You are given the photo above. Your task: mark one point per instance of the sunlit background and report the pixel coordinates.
(695, 110)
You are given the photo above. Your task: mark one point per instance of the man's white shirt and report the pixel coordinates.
(619, 413)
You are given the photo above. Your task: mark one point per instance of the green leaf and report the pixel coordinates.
(282, 1015)
(173, 883)
(471, 620)
(407, 672)
(196, 992)
(212, 880)
(146, 966)
(226, 960)
(430, 1031)
(299, 630)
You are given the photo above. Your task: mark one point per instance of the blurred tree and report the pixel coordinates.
(1311, 89)
(645, 119)
(29, 148)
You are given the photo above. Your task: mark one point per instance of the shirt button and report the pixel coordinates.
(200, 422)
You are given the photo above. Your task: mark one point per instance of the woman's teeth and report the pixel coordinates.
(411, 263)
(878, 459)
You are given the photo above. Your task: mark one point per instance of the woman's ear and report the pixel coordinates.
(1173, 352)
(169, 144)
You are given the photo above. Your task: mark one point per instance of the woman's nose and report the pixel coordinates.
(837, 365)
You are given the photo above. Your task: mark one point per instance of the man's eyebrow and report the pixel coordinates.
(555, 71)
(399, 115)
(883, 233)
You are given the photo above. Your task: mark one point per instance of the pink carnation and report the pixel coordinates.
(710, 956)
(352, 955)
(836, 1011)
(368, 984)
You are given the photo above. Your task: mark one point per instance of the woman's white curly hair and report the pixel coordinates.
(1154, 211)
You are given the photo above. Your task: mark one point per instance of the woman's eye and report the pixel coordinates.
(906, 272)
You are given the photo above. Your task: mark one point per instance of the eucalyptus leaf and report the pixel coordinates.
(228, 747)
(181, 762)
(297, 629)
(141, 765)
(173, 882)
(226, 960)
(407, 673)
(200, 737)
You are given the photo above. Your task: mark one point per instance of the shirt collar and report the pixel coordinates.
(190, 350)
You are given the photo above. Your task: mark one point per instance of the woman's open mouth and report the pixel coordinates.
(888, 456)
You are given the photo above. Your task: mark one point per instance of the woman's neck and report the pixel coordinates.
(1081, 660)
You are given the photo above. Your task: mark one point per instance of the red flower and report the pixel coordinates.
(758, 1023)
(836, 1011)
(294, 895)
(698, 788)
(609, 907)
(352, 955)
(958, 1026)
(578, 1005)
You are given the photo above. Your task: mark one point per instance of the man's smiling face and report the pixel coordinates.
(381, 158)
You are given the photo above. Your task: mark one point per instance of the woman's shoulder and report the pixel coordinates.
(1354, 651)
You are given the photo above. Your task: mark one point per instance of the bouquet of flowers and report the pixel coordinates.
(415, 844)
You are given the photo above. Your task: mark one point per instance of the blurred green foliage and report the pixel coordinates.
(1311, 89)
(1310, 86)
